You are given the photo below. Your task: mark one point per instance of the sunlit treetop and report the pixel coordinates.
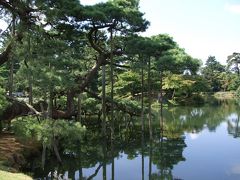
(117, 14)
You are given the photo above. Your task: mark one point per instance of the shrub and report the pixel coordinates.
(46, 130)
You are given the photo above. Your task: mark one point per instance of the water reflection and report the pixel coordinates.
(133, 154)
(233, 125)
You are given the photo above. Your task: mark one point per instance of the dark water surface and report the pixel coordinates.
(190, 143)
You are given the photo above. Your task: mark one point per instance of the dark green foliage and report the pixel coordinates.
(3, 100)
(128, 82)
(178, 61)
(212, 72)
(214, 65)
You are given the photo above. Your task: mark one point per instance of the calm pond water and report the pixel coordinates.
(197, 143)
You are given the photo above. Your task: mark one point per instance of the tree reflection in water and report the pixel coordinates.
(163, 151)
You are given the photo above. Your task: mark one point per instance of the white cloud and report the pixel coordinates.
(234, 8)
(235, 169)
(193, 136)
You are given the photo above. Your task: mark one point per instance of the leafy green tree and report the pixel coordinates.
(176, 82)
(200, 84)
(229, 81)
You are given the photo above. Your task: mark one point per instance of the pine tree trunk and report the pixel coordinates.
(10, 81)
(161, 101)
(142, 96)
(70, 102)
(149, 99)
(43, 155)
(30, 95)
(50, 103)
(112, 84)
(55, 148)
(11, 62)
(79, 112)
(104, 100)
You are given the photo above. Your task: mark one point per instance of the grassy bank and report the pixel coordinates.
(12, 156)
(13, 176)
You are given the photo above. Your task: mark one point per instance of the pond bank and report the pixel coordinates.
(225, 95)
(13, 154)
(202, 98)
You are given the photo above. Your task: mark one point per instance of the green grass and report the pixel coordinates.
(4, 175)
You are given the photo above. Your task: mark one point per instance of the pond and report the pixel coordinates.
(188, 143)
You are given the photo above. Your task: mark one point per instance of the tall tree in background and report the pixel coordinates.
(211, 72)
(233, 62)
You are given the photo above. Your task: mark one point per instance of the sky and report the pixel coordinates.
(201, 27)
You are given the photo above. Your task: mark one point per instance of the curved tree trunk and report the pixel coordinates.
(16, 109)
(5, 55)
